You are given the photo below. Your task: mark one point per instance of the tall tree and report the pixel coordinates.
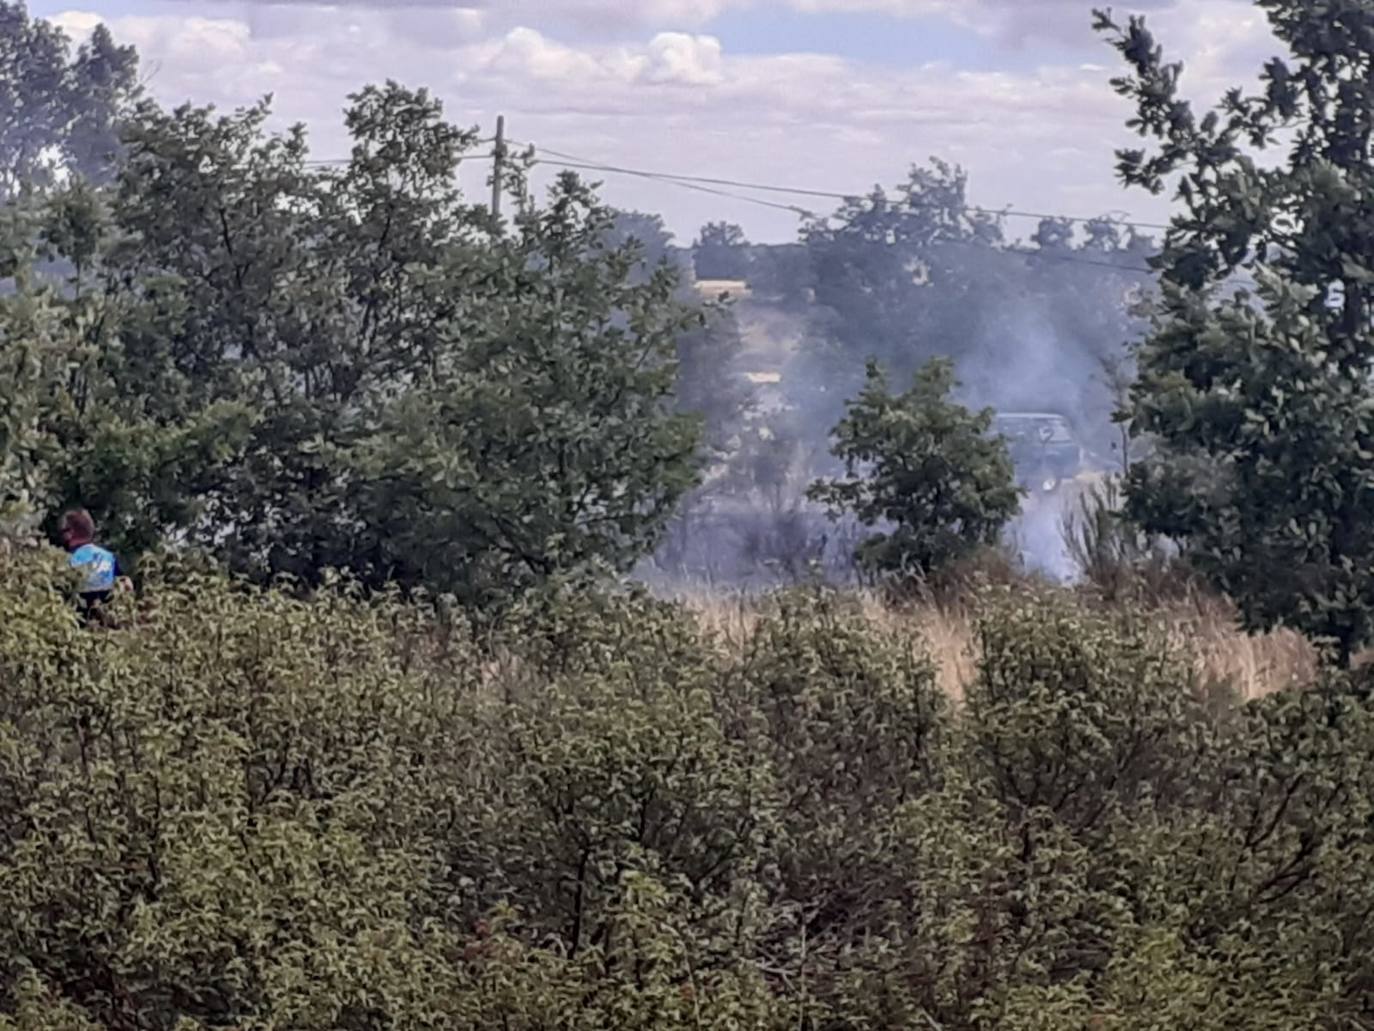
(1255, 378)
(302, 368)
(549, 441)
(890, 278)
(59, 112)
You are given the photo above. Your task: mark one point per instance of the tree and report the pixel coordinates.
(1254, 380)
(721, 252)
(891, 275)
(59, 113)
(924, 468)
(550, 442)
(34, 353)
(782, 274)
(647, 232)
(300, 368)
(921, 272)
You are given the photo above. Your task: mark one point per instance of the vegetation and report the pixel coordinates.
(1254, 380)
(721, 252)
(60, 112)
(917, 272)
(927, 471)
(302, 369)
(241, 806)
(371, 746)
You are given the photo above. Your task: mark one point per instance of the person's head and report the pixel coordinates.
(76, 528)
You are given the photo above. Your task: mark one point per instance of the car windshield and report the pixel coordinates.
(1031, 428)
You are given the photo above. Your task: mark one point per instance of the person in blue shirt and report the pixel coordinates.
(98, 567)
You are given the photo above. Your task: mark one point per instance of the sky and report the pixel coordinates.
(829, 95)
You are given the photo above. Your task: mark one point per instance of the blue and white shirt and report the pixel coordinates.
(99, 566)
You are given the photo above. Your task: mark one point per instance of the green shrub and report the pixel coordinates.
(235, 807)
(222, 812)
(852, 720)
(1077, 714)
(925, 471)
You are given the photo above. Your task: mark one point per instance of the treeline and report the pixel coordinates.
(213, 342)
(1036, 315)
(301, 368)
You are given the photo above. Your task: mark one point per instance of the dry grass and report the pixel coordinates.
(1255, 665)
(1205, 628)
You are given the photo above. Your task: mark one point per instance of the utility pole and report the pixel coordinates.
(499, 155)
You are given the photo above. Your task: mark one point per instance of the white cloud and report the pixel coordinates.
(77, 24)
(189, 41)
(688, 60)
(1040, 139)
(526, 52)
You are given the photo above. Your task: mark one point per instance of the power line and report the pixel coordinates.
(800, 191)
(708, 180)
(340, 162)
(1071, 259)
(698, 183)
(573, 161)
(693, 182)
(676, 181)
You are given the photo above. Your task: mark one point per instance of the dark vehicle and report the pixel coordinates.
(1043, 449)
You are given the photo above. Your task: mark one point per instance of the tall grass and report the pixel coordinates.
(1202, 626)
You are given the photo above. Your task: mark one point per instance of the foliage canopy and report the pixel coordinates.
(242, 806)
(925, 469)
(302, 368)
(1254, 381)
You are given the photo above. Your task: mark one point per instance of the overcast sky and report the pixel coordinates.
(824, 94)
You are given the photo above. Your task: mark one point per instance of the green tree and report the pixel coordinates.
(304, 368)
(59, 112)
(292, 302)
(893, 281)
(656, 247)
(551, 440)
(721, 251)
(925, 469)
(1254, 380)
(33, 355)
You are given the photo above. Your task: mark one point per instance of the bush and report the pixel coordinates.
(243, 807)
(1077, 716)
(226, 811)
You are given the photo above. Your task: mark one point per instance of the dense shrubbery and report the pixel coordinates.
(242, 808)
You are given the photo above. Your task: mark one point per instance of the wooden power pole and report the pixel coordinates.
(499, 157)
